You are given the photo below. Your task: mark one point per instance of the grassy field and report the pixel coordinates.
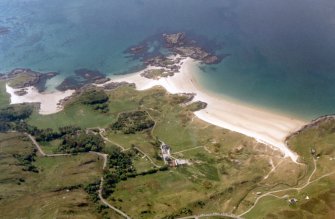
(317, 198)
(228, 171)
(4, 97)
(77, 114)
(54, 192)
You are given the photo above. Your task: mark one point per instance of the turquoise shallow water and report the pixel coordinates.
(282, 53)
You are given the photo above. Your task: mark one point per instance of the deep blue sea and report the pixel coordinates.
(282, 52)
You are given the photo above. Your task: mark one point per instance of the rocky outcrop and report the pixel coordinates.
(25, 77)
(89, 75)
(21, 92)
(176, 43)
(81, 78)
(156, 74)
(114, 85)
(197, 53)
(174, 39)
(198, 105)
(170, 65)
(102, 80)
(313, 124)
(2, 76)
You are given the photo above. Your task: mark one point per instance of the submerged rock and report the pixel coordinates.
(197, 53)
(81, 78)
(4, 30)
(175, 43)
(137, 49)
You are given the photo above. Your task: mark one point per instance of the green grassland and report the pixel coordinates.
(54, 192)
(4, 96)
(228, 171)
(78, 114)
(317, 198)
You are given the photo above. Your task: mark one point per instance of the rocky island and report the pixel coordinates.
(177, 44)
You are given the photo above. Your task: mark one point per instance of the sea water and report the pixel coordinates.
(281, 53)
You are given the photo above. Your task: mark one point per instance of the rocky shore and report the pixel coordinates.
(21, 78)
(313, 124)
(177, 44)
(81, 78)
(181, 45)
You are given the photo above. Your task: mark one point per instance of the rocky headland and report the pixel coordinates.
(21, 78)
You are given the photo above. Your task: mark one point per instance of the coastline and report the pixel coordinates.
(266, 126)
(261, 124)
(49, 101)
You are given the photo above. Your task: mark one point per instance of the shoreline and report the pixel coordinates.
(261, 124)
(49, 101)
(265, 126)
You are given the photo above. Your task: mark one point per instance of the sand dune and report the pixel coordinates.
(263, 125)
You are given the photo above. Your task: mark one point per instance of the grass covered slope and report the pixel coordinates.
(54, 190)
(315, 145)
(4, 96)
(229, 172)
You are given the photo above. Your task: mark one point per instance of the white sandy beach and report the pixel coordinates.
(263, 125)
(48, 101)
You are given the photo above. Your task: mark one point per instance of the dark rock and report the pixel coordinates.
(2, 76)
(174, 39)
(313, 124)
(21, 92)
(211, 59)
(82, 77)
(137, 49)
(4, 30)
(102, 80)
(89, 75)
(164, 62)
(70, 83)
(156, 74)
(197, 53)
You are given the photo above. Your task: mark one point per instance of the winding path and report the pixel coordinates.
(145, 155)
(211, 215)
(105, 158)
(101, 131)
(288, 189)
(271, 193)
(40, 149)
